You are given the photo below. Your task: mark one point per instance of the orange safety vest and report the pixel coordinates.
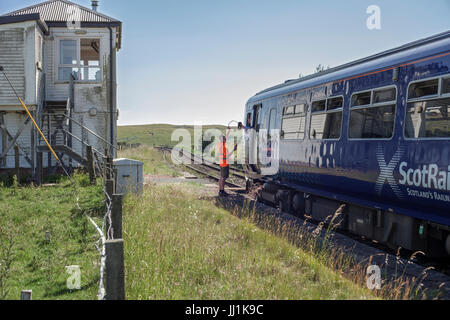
(223, 155)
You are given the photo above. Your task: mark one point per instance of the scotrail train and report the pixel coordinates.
(373, 134)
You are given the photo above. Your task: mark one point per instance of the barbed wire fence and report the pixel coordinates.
(110, 245)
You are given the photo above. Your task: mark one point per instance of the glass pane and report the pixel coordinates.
(326, 126)
(91, 74)
(68, 52)
(300, 108)
(249, 120)
(90, 52)
(294, 128)
(446, 85)
(64, 73)
(423, 89)
(335, 103)
(289, 111)
(272, 120)
(319, 106)
(430, 119)
(361, 99)
(372, 123)
(386, 95)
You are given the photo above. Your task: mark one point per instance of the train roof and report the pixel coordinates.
(421, 48)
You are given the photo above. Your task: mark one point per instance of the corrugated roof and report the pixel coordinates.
(59, 11)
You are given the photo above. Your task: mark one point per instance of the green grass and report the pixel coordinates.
(26, 214)
(178, 246)
(155, 162)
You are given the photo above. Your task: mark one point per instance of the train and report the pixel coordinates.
(372, 135)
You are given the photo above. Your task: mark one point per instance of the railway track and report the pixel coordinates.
(210, 169)
(418, 265)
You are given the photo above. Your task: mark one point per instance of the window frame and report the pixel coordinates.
(292, 116)
(326, 112)
(78, 66)
(439, 96)
(373, 105)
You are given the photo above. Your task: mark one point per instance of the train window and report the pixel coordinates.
(423, 89)
(361, 99)
(289, 111)
(335, 103)
(294, 120)
(372, 123)
(428, 119)
(319, 106)
(326, 126)
(445, 86)
(300, 108)
(385, 95)
(249, 120)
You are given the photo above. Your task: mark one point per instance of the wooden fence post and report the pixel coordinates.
(109, 186)
(115, 270)
(17, 162)
(116, 215)
(91, 165)
(39, 173)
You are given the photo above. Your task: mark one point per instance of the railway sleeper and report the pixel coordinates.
(389, 228)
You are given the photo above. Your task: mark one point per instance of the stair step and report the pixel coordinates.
(67, 151)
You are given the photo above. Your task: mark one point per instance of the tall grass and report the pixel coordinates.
(317, 242)
(180, 245)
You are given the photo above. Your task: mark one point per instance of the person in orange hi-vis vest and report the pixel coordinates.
(224, 165)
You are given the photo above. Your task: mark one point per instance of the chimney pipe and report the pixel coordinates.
(94, 5)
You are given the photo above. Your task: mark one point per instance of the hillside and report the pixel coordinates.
(155, 134)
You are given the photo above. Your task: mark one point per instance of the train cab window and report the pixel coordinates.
(327, 124)
(372, 115)
(294, 122)
(423, 89)
(248, 123)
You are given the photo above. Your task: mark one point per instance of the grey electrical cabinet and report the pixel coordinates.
(130, 176)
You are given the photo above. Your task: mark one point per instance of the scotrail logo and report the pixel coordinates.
(387, 171)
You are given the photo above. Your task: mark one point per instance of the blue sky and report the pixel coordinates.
(189, 61)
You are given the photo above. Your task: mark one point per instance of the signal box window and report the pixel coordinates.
(80, 58)
(327, 124)
(294, 122)
(372, 115)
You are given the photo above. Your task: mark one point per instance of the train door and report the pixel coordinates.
(266, 143)
(251, 149)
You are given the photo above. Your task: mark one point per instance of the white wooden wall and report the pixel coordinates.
(19, 52)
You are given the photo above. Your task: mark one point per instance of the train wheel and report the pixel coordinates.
(298, 204)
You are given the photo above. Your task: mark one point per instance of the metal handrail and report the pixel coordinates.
(81, 140)
(83, 127)
(90, 131)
